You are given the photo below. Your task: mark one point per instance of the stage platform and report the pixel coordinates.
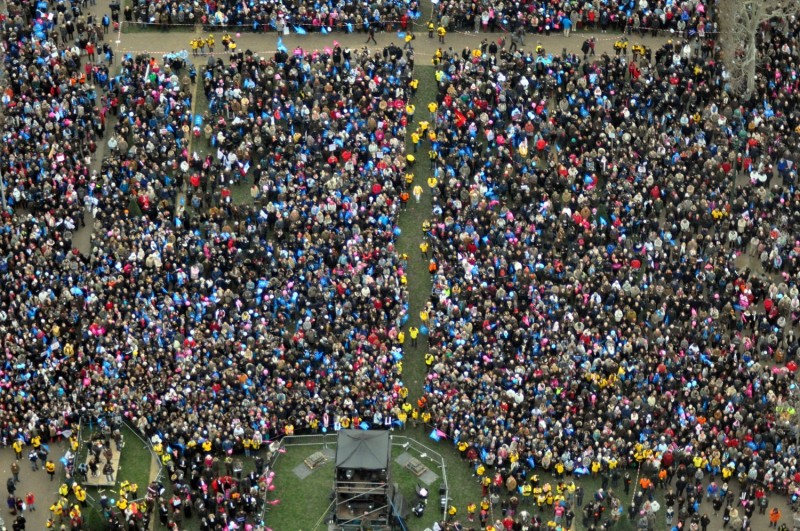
(100, 480)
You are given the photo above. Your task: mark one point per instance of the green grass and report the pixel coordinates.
(410, 223)
(304, 503)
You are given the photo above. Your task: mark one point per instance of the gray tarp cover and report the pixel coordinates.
(362, 449)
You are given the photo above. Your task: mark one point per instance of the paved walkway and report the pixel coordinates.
(45, 491)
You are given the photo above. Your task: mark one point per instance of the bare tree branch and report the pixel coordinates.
(741, 23)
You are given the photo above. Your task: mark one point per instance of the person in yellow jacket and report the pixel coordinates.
(195, 44)
(727, 472)
(431, 29)
(248, 445)
(417, 191)
(433, 155)
(407, 41)
(63, 490)
(621, 46)
(413, 85)
(401, 337)
(50, 468)
(441, 31)
(423, 248)
(462, 449)
(433, 107)
(36, 442)
(437, 58)
(17, 446)
(207, 445)
(540, 500)
(80, 495)
(485, 504)
(413, 333)
(415, 140)
(471, 509)
(210, 43)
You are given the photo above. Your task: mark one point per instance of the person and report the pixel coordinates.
(30, 501)
(33, 457)
(50, 468)
(517, 39)
(407, 43)
(15, 471)
(417, 190)
(774, 517)
(413, 332)
(371, 35)
(17, 446)
(441, 31)
(423, 248)
(108, 471)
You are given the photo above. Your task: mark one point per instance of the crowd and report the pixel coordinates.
(211, 327)
(607, 295)
(686, 19)
(300, 17)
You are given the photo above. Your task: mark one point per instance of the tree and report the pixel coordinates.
(742, 30)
